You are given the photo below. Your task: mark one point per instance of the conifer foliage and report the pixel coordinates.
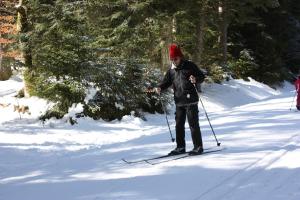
(58, 45)
(68, 59)
(119, 47)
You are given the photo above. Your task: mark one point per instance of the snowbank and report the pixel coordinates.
(253, 122)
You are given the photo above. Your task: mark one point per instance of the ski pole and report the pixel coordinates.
(218, 143)
(172, 138)
(150, 90)
(293, 99)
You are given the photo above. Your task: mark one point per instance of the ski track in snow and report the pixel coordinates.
(238, 179)
(260, 135)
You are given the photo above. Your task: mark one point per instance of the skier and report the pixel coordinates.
(297, 85)
(184, 76)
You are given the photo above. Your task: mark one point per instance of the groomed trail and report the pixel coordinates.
(55, 160)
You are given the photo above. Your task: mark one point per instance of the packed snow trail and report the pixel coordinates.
(64, 162)
(239, 180)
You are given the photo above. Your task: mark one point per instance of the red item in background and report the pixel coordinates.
(297, 85)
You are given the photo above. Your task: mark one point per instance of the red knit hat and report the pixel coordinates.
(174, 51)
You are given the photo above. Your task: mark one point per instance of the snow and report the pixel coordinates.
(55, 160)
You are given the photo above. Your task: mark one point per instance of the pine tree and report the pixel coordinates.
(118, 46)
(58, 45)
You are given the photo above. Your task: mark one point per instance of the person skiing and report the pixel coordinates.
(184, 76)
(297, 85)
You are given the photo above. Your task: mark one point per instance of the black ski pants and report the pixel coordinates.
(191, 113)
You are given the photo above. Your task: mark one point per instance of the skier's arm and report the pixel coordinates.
(166, 82)
(199, 75)
(197, 78)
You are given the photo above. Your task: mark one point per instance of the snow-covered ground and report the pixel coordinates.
(55, 160)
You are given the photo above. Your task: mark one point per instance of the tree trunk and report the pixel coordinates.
(223, 40)
(167, 39)
(23, 27)
(223, 34)
(199, 44)
(164, 55)
(5, 71)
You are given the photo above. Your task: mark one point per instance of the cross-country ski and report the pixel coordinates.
(170, 158)
(207, 150)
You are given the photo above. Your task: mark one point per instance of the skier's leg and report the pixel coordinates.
(180, 117)
(298, 101)
(192, 114)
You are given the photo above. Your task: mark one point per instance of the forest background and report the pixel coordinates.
(113, 50)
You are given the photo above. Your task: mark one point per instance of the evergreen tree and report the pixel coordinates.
(117, 46)
(59, 49)
(267, 42)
